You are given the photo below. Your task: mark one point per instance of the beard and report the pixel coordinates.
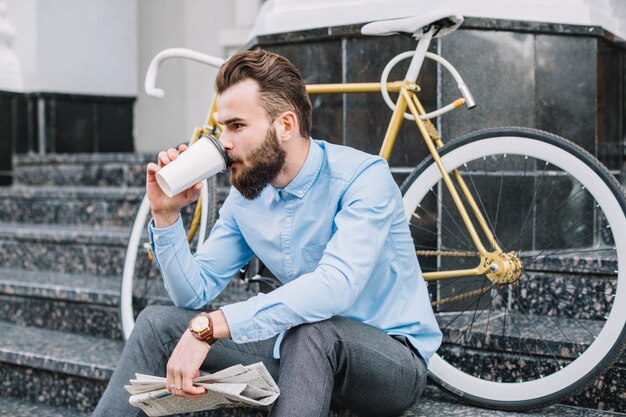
(259, 168)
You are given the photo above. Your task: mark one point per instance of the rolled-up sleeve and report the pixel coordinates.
(194, 280)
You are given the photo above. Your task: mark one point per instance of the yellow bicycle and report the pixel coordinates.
(519, 233)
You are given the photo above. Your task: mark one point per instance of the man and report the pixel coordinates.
(351, 325)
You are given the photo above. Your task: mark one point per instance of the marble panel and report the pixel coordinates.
(73, 126)
(499, 69)
(623, 110)
(367, 116)
(319, 62)
(115, 127)
(26, 139)
(610, 133)
(566, 88)
(564, 216)
(7, 109)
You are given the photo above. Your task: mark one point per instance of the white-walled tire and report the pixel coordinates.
(528, 344)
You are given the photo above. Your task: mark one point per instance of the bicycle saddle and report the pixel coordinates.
(445, 21)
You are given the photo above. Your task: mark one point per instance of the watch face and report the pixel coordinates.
(199, 323)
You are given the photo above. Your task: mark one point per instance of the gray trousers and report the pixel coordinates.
(337, 361)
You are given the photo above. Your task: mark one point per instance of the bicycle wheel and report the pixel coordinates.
(141, 279)
(532, 342)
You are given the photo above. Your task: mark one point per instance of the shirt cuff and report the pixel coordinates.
(167, 235)
(239, 317)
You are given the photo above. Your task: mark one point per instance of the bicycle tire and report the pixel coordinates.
(566, 313)
(141, 282)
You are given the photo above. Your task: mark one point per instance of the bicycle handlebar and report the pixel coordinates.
(153, 68)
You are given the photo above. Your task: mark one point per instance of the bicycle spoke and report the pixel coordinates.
(520, 339)
(538, 203)
(543, 219)
(437, 234)
(461, 230)
(539, 335)
(555, 301)
(582, 290)
(495, 222)
(480, 201)
(532, 202)
(559, 237)
(482, 287)
(563, 252)
(463, 311)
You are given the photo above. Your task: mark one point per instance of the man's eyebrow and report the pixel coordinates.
(231, 121)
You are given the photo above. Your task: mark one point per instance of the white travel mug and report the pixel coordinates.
(203, 159)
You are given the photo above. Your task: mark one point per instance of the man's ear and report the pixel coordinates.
(287, 125)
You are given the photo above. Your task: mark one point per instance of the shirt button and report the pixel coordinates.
(289, 219)
(156, 238)
(287, 257)
(244, 338)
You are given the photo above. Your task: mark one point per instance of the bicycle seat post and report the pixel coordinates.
(418, 58)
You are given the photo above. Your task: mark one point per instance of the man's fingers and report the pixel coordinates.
(172, 154)
(163, 159)
(190, 389)
(152, 168)
(182, 148)
(194, 191)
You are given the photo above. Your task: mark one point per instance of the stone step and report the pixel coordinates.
(72, 372)
(98, 169)
(81, 303)
(79, 249)
(15, 407)
(55, 368)
(436, 402)
(546, 343)
(62, 205)
(101, 170)
(77, 303)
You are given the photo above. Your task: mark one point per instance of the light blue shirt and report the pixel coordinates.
(336, 237)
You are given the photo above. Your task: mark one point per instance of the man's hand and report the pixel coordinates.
(184, 366)
(165, 210)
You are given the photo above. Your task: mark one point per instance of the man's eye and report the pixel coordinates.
(237, 126)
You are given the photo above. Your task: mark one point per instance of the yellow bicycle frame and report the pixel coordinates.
(407, 100)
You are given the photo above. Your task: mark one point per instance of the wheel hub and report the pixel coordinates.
(504, 268)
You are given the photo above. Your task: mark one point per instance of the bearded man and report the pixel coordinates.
(351, 325)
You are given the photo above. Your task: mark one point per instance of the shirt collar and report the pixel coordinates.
(302, 182)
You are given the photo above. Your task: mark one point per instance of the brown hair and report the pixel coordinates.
(281, 87)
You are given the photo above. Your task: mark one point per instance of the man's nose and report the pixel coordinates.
(225, 140)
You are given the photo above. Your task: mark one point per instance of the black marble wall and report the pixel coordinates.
(566, 79)
(62, 123)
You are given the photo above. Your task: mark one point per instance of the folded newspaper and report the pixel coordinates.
(237, 386)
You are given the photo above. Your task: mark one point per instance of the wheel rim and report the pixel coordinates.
(578, 369)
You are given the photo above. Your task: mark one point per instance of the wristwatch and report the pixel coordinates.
(201, 326)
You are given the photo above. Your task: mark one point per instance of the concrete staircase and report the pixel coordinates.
(64, 226)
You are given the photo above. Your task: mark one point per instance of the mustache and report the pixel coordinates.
(234, 158)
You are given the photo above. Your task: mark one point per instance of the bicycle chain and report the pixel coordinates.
(464, 295)
(445, 253)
